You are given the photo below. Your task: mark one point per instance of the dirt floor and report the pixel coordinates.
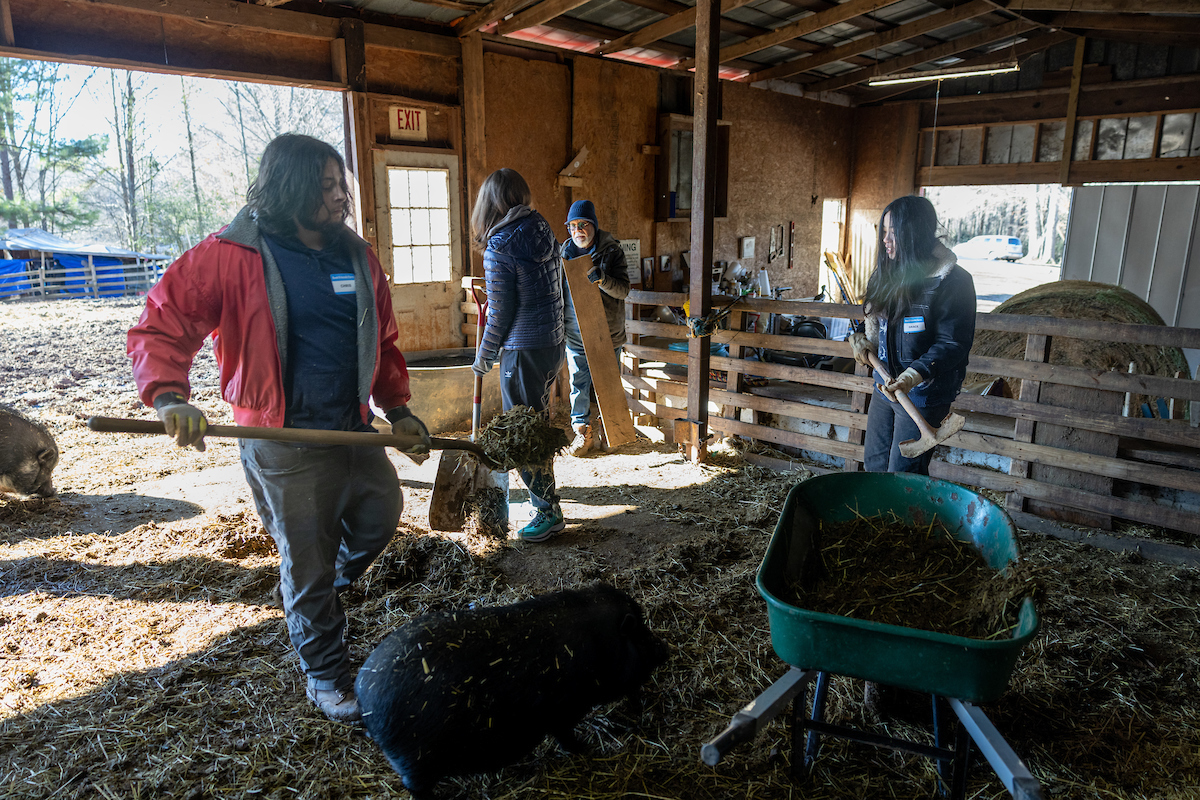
(140, 656)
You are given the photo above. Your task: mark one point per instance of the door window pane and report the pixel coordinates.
(420, 211)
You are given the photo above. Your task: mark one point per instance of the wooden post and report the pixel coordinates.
(735, 381)
(474, 123)
(859, 404)
(1064, 173)
(348, 55)
(92, 277)
(1037, 348)
(704, 200)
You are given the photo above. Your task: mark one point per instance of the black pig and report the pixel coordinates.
(28, 455)
(452, 693)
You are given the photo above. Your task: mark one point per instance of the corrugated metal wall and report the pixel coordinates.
(1141, 237)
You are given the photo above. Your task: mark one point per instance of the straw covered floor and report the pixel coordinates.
(141, 656)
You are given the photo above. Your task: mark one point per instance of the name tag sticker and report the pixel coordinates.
(914, 324)
(343, 282)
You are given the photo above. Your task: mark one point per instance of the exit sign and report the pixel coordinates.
(409, 123)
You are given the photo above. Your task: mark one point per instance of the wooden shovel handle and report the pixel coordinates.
(301, 435)
(922, 424)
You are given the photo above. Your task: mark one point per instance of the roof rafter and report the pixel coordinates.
(952, 47)
(1122, 6)
(933, 22)
(664, 27)
(803, 27)
(538, 14)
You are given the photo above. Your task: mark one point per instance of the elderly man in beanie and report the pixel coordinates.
(609, 273)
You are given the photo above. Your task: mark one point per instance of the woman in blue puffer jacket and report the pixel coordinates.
(525, 317)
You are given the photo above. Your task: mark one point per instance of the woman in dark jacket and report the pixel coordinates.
(920, 310)
(525, 317)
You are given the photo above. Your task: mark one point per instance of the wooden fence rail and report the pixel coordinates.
(1070, 453)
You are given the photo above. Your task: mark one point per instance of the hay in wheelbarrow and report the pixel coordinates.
(521, 438)
(883, 569)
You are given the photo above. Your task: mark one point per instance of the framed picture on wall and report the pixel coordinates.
(664, 263)
(648, 270)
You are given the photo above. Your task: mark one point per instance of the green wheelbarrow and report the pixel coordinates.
(960, 670)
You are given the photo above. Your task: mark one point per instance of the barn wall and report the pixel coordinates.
(884, 167)
(614, 115)
(528, 119)
(1144, 239)
(783, 152)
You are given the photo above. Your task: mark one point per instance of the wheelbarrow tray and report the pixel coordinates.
(973, 670)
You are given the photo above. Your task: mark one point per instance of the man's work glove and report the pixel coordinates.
(863, 347)
(481, 366)
(903, 383)
(595, 275)
(406, 423)
(181, 419)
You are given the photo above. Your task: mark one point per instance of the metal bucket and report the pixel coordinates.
(441, 382)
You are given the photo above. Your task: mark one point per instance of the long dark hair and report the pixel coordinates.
(896, 282)
(499, 192)
(288, 186)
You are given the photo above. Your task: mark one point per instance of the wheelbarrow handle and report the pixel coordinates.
(301, 435)
(753, 717)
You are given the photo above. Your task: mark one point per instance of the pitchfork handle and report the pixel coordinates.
(902, 398)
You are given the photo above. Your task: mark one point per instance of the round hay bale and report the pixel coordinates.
(1081, 300)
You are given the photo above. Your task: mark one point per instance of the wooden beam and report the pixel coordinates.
(841, 53)
(495, 10)
(704, 199)
(952, 47)
(7, 36)
(474, 122)
(665, 27)
(1140, 170)
(1034, 44)
(802, 27)
(1127, 22)
(1072, 111)
(537, 14)
(1107, 6)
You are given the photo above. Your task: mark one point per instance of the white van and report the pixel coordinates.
(994, 247)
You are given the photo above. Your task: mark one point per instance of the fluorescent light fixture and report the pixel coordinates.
(942, 74)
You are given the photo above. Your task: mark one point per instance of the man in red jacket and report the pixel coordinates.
(300, 313)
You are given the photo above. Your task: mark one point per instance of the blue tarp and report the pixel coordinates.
(12, 277)
(110, 274)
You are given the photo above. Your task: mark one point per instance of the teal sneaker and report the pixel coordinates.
(545, 523)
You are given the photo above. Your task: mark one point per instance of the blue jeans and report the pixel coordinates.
(331, 511)
(525, 380)
(581, 384)
(888, 424)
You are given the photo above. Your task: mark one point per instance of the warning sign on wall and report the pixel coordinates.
(408, 123)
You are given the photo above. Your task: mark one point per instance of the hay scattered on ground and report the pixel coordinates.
(884, 570)
(521, 438)
(486, 512)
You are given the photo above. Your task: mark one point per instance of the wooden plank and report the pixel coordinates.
(663, 28)
(1130, 427)
(814, 377)
(790, 344)
(1163, 552)
(537, 14)
(950, 48)
(802, 441)
(859, 405)
(1072, 110)
(864, 44)
(1077, 461)
(1115, 506)
(597, 346)
(1089, 442)
(802, 27)
(1110, 381)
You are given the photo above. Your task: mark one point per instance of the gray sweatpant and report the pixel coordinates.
(331, 511)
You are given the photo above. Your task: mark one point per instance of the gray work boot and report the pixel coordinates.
(337, 704)
(582, 441)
